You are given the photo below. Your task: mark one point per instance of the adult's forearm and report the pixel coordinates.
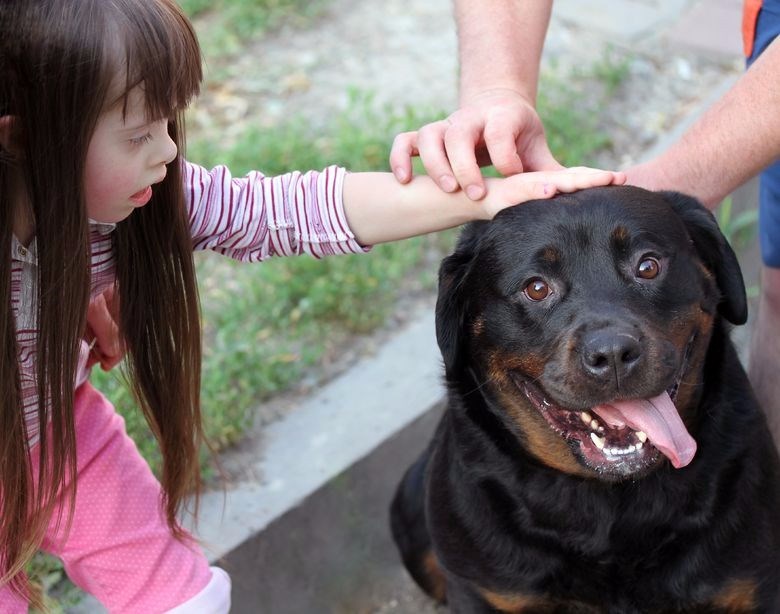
(500, 45)
(734, 140)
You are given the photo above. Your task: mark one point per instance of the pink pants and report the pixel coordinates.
(119, 547)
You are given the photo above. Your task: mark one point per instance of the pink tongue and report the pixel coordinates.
(659, 419)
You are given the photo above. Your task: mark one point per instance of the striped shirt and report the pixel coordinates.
(250, 219)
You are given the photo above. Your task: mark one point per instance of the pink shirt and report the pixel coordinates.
(249, 219)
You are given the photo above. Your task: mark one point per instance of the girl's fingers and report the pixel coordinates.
(571, 180)
(102, 330)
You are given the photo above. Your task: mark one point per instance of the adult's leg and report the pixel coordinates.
(764, 361)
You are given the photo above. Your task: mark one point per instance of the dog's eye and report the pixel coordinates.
(648, 268)
(537, 290)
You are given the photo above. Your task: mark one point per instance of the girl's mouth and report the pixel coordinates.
(142, 197)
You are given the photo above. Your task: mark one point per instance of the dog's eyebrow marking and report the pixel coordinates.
(620, 236)
(550, 255)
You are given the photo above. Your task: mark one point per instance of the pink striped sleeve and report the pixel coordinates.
(256, 217)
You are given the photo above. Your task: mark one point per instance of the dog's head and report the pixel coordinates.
(584, 321)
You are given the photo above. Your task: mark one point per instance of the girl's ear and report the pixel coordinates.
(8, 137)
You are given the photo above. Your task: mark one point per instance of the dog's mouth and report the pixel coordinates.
(622, 437)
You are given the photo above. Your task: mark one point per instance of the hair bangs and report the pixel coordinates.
(161, 55)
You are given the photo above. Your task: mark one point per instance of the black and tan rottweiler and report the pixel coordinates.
(602, 450)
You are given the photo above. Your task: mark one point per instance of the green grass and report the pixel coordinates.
(740, 229)
(224, 26)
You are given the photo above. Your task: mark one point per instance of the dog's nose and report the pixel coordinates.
(610, 354)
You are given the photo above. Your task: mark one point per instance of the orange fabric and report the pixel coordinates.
(750, 13)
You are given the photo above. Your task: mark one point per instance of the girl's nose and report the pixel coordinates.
(168, 149)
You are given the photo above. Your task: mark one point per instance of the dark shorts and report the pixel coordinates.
(767, 27)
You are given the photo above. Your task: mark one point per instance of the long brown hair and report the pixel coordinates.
(59, 63)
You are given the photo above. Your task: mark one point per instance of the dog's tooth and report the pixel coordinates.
(586, 417)
(641, 436)
(639, 445)
(598, 441)
(631, 448)
(594, 424)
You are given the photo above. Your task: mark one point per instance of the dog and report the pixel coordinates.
(601, 450)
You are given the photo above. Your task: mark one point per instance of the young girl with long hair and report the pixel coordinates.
(93, 196)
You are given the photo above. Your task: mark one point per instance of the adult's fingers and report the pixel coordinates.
(434, 156)
(501, 145)
(401, 153)
(461, 142)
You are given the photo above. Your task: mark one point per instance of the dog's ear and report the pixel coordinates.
(715, 252)
(452, 302)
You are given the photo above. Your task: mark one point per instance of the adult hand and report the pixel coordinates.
(498, 126)
(516, 189)
(102, 331)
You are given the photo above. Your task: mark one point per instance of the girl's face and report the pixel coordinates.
(126, 157)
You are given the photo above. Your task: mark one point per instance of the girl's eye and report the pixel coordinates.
(648, 268)
(141, 139)
(537, 290)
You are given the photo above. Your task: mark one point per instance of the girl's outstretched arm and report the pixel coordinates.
(379, 209)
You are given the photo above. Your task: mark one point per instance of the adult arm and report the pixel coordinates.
(500, 45)
(733, 141)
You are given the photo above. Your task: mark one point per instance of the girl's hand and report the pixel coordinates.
(102, 331)
(516, 189)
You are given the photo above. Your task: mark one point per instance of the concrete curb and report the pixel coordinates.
(347, 420)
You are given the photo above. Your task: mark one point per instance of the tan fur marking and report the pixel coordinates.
(545, 444)
(433, 571)
(538, 438)
(499, 365)
(511, 604)
(551, 255)
(690, 385)
(478, 326)
(620, 234)
(737, 597)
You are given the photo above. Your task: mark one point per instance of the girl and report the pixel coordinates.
(94, 195)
